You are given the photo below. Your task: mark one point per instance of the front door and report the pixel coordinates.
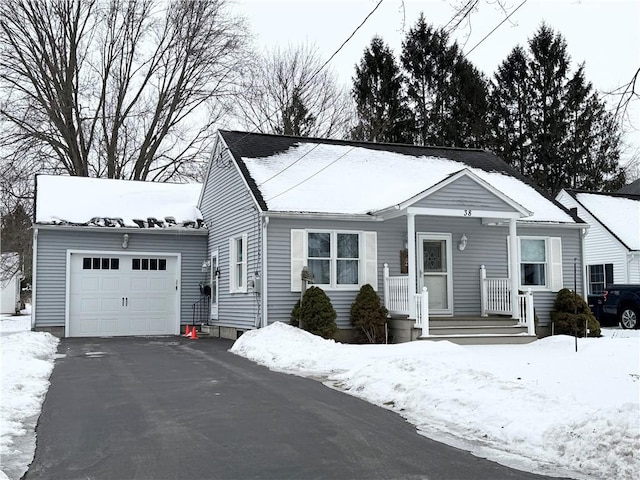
(434, 267)
(215, 274)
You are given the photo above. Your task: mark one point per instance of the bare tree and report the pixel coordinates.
(287, 91)
(115, 88)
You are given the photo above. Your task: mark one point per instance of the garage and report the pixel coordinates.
(114, 294)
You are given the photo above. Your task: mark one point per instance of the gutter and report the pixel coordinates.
(358, 217)
(155, 231)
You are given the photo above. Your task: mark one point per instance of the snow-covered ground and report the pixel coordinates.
(540, 407)
(27, 363)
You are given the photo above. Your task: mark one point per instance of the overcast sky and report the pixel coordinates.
(604, 34)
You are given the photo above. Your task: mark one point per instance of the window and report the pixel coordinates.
(599, 277)
(100, 263)
(238, 264)
(533, 260)
(148, 264)
(333, 258)
(337, 259)
(541, 263)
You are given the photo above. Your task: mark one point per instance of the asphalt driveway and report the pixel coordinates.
(173, 408)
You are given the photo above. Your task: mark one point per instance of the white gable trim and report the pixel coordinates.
(520, 211)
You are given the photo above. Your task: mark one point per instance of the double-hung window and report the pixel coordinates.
(599, 275)
(541, 263)
(238, 264)
(333, 258)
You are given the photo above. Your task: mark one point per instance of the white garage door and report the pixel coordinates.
(117, 295)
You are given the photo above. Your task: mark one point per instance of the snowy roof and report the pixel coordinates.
(116, 203)
(618, 213)
(298, 174)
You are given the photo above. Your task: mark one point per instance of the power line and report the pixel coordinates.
(455, 15)
(317, 72)
(496, 27)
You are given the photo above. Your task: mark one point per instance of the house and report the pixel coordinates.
(460, 222)
(115, 257)
(10, 276)
(612, 243)
(275, 213)
(632, 188)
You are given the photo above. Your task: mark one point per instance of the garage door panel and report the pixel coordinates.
(109, 296)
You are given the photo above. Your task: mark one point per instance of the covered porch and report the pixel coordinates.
(428, 293)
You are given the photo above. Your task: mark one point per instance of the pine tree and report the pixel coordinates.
(509, 111)
(550, 124)
(446, 93)
(380, 103)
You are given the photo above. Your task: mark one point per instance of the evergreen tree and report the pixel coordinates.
(509, 112)
(446, 93)
(382, 115)
(550, 124)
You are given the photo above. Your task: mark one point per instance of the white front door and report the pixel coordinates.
(215, 275)
(434, 268)
(113, 294)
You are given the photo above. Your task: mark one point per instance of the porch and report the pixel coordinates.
(496, 323)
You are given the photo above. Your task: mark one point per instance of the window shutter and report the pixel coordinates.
(232, 270)
(245, 262)
(370, 259)
(608, 274)
(298, 257)
(555, 263)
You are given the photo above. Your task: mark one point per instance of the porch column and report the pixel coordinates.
(411, 258)
(514, 268)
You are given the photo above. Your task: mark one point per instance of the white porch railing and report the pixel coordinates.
(396, 293)
(422, 311)
(496, 300)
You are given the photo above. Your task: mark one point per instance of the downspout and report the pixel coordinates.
(515, 277)
(631, 256)
(34, 262)
(265, 223)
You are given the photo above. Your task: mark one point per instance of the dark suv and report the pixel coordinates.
(619, 304)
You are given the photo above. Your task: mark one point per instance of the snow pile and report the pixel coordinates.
(27, 363)
(540, 407)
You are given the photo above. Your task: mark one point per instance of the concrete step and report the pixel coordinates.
(495, 339)
(472, 321)
(436, 329)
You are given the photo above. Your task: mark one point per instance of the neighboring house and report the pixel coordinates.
(398, 217)
(10, 276)
(632, 188)
(612, 243)
(115, 257)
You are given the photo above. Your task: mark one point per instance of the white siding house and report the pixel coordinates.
(612, 243)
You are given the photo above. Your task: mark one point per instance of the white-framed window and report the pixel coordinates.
(599, 276)
(540, 260)
(238, 264)
(336, 259)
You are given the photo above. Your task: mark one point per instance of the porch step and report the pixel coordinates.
(511, 329)
(490, 339)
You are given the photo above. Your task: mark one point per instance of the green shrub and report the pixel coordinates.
(315, 313)
(369, 316)
(571, 313)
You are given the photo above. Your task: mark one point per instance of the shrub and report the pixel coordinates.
(571, 313)
(315, 313)
(369, 316)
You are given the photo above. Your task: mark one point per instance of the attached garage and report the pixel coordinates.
(116, 257)
(120, 295)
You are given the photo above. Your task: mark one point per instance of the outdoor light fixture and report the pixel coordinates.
(125, 240)
(463, 242)
(206, 265)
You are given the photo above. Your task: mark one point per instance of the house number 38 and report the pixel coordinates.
(467, 213)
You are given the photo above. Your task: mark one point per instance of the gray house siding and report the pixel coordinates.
(464, 193)
(52, 257)
(228, 206)
(487, 245)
